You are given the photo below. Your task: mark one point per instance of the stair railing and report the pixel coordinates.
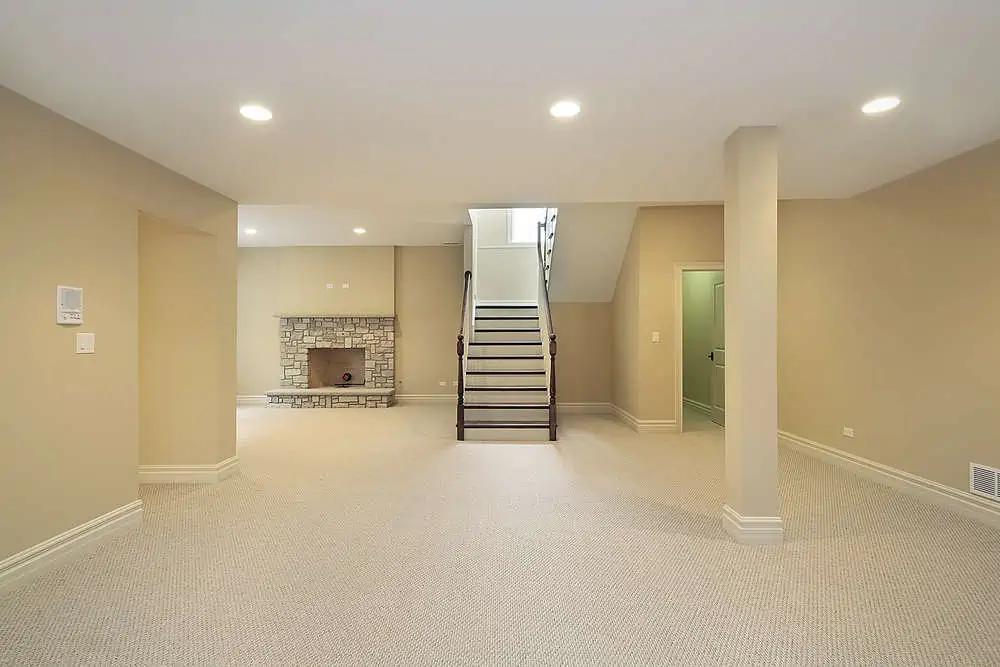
(546, 232)
(460, 348)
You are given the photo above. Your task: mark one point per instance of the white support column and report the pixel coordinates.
(751, 253)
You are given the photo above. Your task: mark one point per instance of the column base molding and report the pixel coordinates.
(753, 529)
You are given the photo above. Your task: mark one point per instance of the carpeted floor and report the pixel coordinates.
(369, 537)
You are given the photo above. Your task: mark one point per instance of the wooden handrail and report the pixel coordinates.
(460, 348)
(543, 237)
(545, 283)
(465, 302)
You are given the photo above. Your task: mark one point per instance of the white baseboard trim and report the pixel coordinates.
(752, 529)
(208, 473)
(959, 501)
(251, 399)
(25, 565)
(427, 398)
(584, 408)
(698, 405)
(644, 425)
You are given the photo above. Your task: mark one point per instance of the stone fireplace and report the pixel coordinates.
(328, 366)
(316, 351)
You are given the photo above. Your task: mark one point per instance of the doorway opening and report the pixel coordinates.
(700, 354)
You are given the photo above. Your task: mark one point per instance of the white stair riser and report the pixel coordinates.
(512, 435)
(491, 336)
(486, 312)
(505, 380)
(477, 350)
(506, 364)
(506, 324)
(502, 415)
(507, 396)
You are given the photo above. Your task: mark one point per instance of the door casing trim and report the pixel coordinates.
(679, 269)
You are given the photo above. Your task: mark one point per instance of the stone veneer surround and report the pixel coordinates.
(377, 335)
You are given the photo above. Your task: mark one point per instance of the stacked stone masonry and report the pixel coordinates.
(375, 335)
(330, 401)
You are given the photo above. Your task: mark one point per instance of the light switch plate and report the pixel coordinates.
(85, 343)
(656, 336)
(329, 285)
(848, 432)
(346, 285)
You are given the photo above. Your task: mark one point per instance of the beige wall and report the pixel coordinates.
(180, 367)
(69, 202)
(698, 295)
(643, 382)
(885, 316)
(583, 360)
(428, 309)
(294, 280)
(888, 319)
(625, 329)
(670, 234)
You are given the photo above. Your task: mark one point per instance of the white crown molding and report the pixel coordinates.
(644, 425)
(208, 473)
(25, 565)
(752, 529)
(922, 488)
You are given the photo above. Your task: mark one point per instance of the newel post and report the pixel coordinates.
(460, 425)
(553, 419)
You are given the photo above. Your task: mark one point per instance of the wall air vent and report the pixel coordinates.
(984, 481)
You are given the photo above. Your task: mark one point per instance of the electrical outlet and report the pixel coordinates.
(656, 336)
(454, 383)
(443, 383)
(848, 432)
(329, 285)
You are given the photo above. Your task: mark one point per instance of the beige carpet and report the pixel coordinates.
(364, 537)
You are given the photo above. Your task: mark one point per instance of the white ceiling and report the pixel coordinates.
(591, 240)
(326, 225)
(398, 107)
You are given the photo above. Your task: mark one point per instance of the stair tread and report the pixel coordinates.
(505, 388)
(506, 342)
(506, 356)
(512, 306)
(502, 371)
(507, 317)
(510, 330)
(506, 424)
(506, 406)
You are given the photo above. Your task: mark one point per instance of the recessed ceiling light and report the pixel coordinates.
(249, 231)
(565, 109)
(256, 112)
(880, 105)
(360, 230)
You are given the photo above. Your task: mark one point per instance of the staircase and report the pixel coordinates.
(506, 371)
(506, 380)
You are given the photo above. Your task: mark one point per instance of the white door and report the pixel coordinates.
(718, 355)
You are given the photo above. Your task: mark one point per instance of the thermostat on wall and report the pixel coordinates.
(69, 305)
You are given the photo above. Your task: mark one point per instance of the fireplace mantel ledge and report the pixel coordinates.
(367, 315)
(332, 391)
